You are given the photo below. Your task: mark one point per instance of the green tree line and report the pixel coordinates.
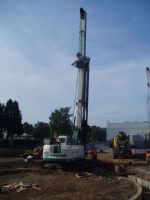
(10, 118)
(59, 123)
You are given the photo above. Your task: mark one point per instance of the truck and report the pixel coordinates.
(121, 146)
(73, 148)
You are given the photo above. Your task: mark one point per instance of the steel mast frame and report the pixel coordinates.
(148, 95)
(82, 64)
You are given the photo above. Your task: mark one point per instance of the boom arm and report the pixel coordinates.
(82, 64)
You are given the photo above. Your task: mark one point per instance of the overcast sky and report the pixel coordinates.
(39, 40)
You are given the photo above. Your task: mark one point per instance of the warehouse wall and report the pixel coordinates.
(128, 127)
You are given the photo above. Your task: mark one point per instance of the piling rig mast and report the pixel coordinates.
(148, 95)
(81, 128)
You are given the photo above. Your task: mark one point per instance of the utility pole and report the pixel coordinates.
(148, 95)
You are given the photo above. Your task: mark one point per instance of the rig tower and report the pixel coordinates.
(82, 64)
(148, 95)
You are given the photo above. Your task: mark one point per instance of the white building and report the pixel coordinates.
(130, 128)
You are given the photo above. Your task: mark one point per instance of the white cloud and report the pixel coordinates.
(118, 91)
(35, 66)
(39, 89)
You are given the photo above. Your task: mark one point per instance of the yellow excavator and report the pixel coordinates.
(120, 146)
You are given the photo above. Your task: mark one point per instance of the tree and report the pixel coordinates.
(28, 128)
(59, 122)
(2, 119)
(13, 118)
(103, 134)
(41, 130)
(98, 134)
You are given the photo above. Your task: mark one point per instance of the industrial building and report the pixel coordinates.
(137, 131)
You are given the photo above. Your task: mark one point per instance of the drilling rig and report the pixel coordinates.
(66, 148)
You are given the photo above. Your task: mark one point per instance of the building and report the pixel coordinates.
(130, 128)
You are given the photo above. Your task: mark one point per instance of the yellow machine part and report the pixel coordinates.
(115, 143)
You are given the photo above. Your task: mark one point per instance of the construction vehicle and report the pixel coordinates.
(121, 146)
(66, 148)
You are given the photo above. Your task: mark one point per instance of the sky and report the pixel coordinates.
(39, 40)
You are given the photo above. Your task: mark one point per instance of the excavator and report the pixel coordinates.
(120, 146)
(73, 148)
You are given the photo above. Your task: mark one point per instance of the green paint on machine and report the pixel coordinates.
(60, 160)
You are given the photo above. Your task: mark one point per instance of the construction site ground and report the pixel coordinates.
(88, 180)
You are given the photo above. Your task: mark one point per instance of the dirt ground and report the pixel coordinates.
(56, 182)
